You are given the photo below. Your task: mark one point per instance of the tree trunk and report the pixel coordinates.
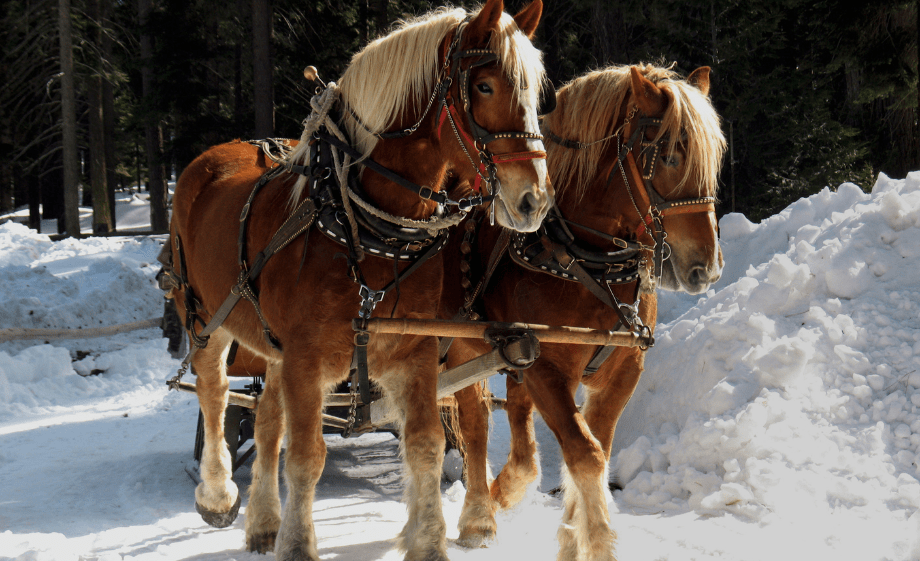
(34, 189)
(381, 16)
(6, 185)
(102, 212)
(69, 124)
(108, 114)
(239, 120)
(362, 21)
(153, 132)
(262, 68)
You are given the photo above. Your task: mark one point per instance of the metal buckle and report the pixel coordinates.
(369, 300)
(468, 203)
(426, 192)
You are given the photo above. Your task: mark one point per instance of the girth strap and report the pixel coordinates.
(359, 416)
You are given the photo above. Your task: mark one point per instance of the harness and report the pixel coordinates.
(554, 250)
(360, 229)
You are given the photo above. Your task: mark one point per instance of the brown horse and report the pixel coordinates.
(485, 75)
(644, 147)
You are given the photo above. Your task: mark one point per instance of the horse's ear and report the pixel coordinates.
(480, 27)
(700, 79)
(649, 97)
(528, 18)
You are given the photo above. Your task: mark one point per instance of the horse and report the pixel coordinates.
(447, 97)
(634, 155)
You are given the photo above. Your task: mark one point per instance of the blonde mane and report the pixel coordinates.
(399, 71)
(592, 109)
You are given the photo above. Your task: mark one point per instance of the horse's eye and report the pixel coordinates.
(484, 88)
(671, 161)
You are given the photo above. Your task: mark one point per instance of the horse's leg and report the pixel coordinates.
(263, 515)
(585, 533)
(586, 507)
(217, 498)
(422, 441)
(521, 468)
(302, 394)
(605, 403)
(477, 519)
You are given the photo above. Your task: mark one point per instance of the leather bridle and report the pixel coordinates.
(645, 196)
(657, 207)
(452, 70)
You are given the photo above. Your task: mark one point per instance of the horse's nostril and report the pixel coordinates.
(528, 204)
(698, 276)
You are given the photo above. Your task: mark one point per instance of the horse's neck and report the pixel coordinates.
(405, 158)
(605, 207)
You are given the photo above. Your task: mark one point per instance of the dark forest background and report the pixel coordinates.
(812, 93)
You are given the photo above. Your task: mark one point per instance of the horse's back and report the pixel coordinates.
(223, 167)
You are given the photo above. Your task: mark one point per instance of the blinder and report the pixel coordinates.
(479, 137)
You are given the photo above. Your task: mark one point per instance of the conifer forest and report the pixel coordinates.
(108, 94)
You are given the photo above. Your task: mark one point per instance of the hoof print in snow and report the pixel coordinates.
(219, 519)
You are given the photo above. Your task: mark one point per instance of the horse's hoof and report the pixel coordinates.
(219, 519)
(475, 539)
(261, 543)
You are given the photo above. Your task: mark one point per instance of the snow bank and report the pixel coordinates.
(794, 387)
(75, 284)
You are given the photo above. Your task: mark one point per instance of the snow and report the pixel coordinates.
(778, 417)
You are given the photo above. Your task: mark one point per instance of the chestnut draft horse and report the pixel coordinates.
(479, 73)
(645, 148)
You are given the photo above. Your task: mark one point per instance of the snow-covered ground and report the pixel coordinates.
(778, 418)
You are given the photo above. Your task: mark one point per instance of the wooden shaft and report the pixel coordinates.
(243, 400)
(476, 330)
(251, 402)
(469, 373)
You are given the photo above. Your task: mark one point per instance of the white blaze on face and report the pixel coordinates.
(532, 125)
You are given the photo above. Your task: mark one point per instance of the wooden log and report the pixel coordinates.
(23, 334)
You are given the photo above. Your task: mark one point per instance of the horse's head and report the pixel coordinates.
(651, 169)
(449, 94)
(492, 134)
(680, 153)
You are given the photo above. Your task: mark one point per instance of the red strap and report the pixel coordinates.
(496, 158)
(518, 156)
